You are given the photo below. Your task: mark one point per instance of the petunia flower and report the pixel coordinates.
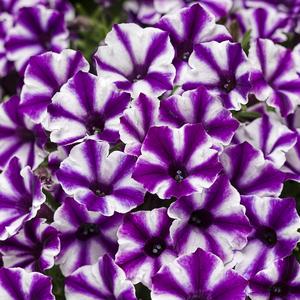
(137, 60)
(100, 181)
(200, 275)
(136, 121)
(188, 27)
(198, 106)
(292, 164)
(13, 6)
(274, 236)
(249, 172)
(274, 77)
(86, 106)
(102, 280)
(269, 135)
(213, 220)
(266, 23)
(84, 235)
(6, 22)
(150, 11)
(177, 162)
(20, 197)
(26, 39)
(223, 68)
(19, 136)
(279, 281)
(145, 244)
(16, 283)
(33, 248)
(44, 76)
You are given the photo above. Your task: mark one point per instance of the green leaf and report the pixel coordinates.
(246, 41)
(58, 282)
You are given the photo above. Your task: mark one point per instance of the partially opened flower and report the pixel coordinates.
(136, 121)
(33, 248)
(269, 135)
(274, 76)
(198, 106)
(146, 59)
(6, 22)
(26, 39)
(19, 136)
(86, 106)
(265, 23)
(16, 283)
(20, 197)
(177, 162)
(44, 76)
(84, 235)
(249, 172)
(102, 280)
(188, 27)
(213, 220)
(200, 275)
(222, 68)
(145, 244)
(281, 280)
(274, 236)
(100, 181)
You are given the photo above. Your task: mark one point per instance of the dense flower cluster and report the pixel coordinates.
(162, 163)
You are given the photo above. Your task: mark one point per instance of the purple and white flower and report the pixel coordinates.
(200, 275)
(188, 27)
(177, 162)
(223, 68)
(249, 172)
(36, 30)
(274, 77)
(102, 280)
(44, 76)
(20, 197)
(198, 106)
(274, 236)
(13, 6)
(6, 22)
(212, 220)
(269, 135)
(136, 121)
(16, 283)
(85, 236)
(145, 244)
(266, 23)
(281, 280)
(19, 136)
(100, 181)
(86, 106)
(137, 60)
(33, 248)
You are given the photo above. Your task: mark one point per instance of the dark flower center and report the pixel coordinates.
(178, 173)
(100, 189)
(228, 84)
(155, 246)
(279, 289)
(94, 124)
(86, 231)
(25, 134)
(138, 73)
(267, 235)
(201, 218)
